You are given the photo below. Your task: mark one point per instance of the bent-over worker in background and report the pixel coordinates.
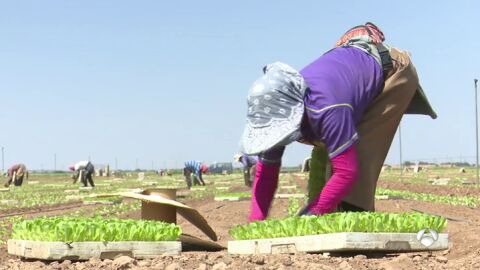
(15, 174)
(348, 104)
(249, 167)
(194, 169)
(83, 171)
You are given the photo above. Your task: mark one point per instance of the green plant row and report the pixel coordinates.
(81, 229)
(469, 201)
(246, 194)
(116, 199)
(338, 222)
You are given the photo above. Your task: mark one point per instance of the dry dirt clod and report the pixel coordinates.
(94, 261)
(360, 257)
(173, 266)
(202, 266)
(66, 263)
(287, 261)
(345, 266)
(441, 259)
(55, 265)
(123, 262)
(144, 263)
(260, 260)
(219, 266)
(417, 259)
(79, 266)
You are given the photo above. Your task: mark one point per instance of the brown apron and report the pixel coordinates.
(378, 126)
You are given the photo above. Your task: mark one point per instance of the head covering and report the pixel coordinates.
(237, 157)
(204, 168)
(275, 109)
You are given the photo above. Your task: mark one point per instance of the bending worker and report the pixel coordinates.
(83, 171)
(348, 104)
(195, 169)
(249, 167)
(15, 174)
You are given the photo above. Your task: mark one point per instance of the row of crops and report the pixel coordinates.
(79, 225)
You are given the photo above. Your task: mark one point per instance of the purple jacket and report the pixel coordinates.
(342, 84)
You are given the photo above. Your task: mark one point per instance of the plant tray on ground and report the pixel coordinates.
(339, 222)
(61, 238)
(338, 232)
(337, 242)
(44, 250)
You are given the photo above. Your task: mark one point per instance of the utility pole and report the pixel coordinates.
(476, 128)
(3, 160)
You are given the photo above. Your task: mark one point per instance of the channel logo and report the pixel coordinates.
(427, 237)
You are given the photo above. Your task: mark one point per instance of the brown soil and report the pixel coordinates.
(427, 188)
(464, 252)
(39, 209)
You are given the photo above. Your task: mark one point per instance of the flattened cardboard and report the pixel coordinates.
(157, 198)
(192, 243)
(161, 212)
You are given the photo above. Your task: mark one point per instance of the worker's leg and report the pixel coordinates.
(253, 171)
(377, 129)
(19, 181)
(90, 170)
(9, 181)
(246, 177)
(83, 177)
(195, 180)
(188, 179)
(200, 178)
(89, 177)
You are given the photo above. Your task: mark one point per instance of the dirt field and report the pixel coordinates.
(464, 233)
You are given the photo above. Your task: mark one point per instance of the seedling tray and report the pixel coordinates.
(337, 242)
(85, 250)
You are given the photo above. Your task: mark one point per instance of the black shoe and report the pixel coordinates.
(347, 207)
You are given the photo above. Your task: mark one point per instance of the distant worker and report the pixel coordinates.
(249, 167)
(84, 171)
(15, 174)
(306, 164)
(196, 168)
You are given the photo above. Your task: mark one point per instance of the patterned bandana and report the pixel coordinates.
(275, 109)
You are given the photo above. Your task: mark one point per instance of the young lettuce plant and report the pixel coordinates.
(81, 229)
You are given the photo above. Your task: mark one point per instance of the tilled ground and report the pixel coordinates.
(464, 251)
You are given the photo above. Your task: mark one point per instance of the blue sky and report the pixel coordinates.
(164, 81)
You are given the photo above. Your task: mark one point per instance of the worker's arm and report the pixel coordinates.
(337, 130)
(345, 173)
(265, 184)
